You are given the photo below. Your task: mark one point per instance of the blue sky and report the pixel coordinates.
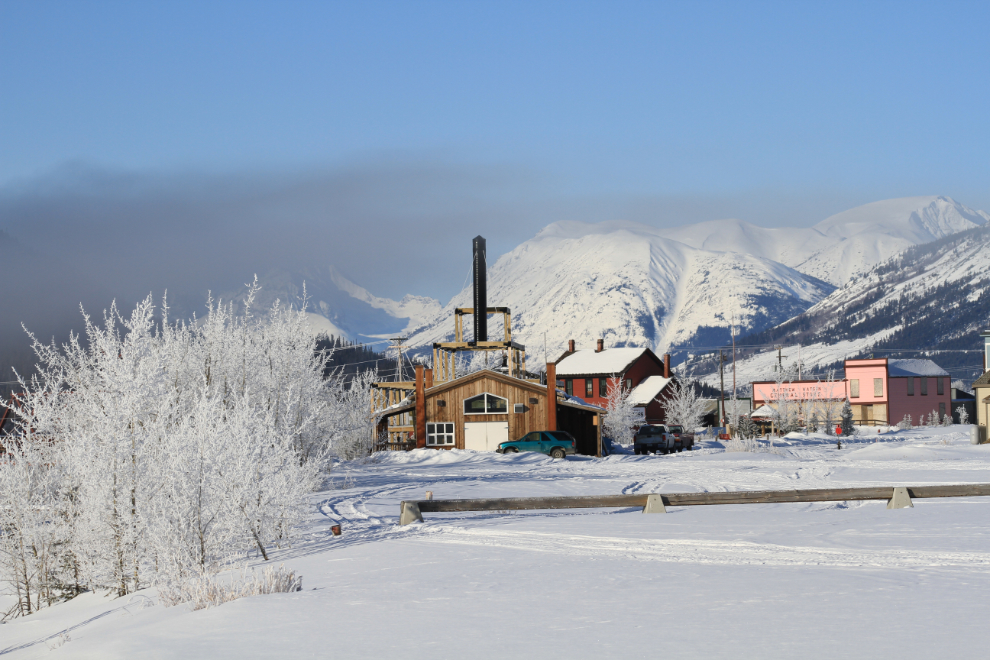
(665, 98)
(667, 113)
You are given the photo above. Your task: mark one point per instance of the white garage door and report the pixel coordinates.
(485, 436)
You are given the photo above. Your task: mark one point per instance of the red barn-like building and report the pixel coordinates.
(590, 374)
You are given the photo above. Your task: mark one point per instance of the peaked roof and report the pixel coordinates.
(983, 381)
(914, 368)
(609, 361)
(648, 390)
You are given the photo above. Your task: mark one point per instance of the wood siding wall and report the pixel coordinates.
(533, 419)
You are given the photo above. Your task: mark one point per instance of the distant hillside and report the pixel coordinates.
(933, 297)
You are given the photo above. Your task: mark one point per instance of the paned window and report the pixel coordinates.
(569, 386)
(940, 385)
(628, 383)
(910, 385)
(854, 388)
(439, 434)
(486, 404)
(924, 386)
(878, 387)
(589, 387)
(603, 388)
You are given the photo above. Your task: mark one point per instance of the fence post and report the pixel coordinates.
(654, 504)
(900, 499)
(410, 513)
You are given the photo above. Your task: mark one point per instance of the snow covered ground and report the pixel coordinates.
(820, 580)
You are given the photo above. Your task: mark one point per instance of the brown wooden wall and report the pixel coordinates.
(533, 419)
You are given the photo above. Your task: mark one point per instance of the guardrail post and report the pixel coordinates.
(409, 513)
(654, 504)
(901, 499)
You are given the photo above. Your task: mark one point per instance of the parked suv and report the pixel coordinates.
(555, 444)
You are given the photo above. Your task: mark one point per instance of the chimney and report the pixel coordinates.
(551, 397)
(601, 346)
(420, 408)
(666, 365)
(480, 290)
(570, 345)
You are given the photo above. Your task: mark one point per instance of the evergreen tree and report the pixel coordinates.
(846, 417)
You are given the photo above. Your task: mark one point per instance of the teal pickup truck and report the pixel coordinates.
(555, 444)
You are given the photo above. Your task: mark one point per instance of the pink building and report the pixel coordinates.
(883, 391)
(880, 391)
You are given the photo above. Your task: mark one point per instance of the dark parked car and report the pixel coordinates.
(556, 444)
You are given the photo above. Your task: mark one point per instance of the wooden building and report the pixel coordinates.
(482, 409)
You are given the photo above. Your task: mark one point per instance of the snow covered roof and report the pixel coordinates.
(588, 361)
(648, 390)
(575, 400)
(763, 411)
(914, 368)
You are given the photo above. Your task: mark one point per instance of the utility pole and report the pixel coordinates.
(733, 329)
(780, 358)
(397, 347)
(721, 377)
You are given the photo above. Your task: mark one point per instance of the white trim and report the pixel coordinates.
(486, 394)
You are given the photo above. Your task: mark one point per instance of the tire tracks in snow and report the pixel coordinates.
(691, 551)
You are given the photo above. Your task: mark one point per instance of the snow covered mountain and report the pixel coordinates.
(629, 284)
(846, 243)
(932, 297)
(339, 307)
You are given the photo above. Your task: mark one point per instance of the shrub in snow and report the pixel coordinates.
(211, 590)
(905, 423)
(933, 419)
(747, 427)
(150, 451)
(963, 415)
(946, 420)
(813, 423)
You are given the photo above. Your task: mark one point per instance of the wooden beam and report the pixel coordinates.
(700, 499)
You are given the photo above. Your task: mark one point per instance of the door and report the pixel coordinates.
(530, 442)
(485, 436)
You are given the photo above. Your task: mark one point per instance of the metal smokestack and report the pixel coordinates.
(480, 290)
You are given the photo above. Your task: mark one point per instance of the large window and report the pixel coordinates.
(941, 385)
(878, 387)
(854, 388)
(439, 434)
(924, 386)
(486, 404)
(589, 387)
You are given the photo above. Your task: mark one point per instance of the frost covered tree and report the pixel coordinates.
(684, 407)
(620, 416)
(153, 450)
(905, 423)
(963, 415)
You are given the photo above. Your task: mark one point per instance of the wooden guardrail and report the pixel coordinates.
(898, 497)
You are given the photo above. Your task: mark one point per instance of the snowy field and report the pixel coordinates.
(824, 580)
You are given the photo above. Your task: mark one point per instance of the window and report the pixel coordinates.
(603, 388)
(941, 406)
(910, 386)
(940, 384)
(440, 434)
(628, 383)
(878, 387)
(569, 386)
(486, 404)
(853, 388)
(924, 386)
(589, 387)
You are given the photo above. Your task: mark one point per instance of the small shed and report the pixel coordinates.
(482, 409)
(649, 395)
